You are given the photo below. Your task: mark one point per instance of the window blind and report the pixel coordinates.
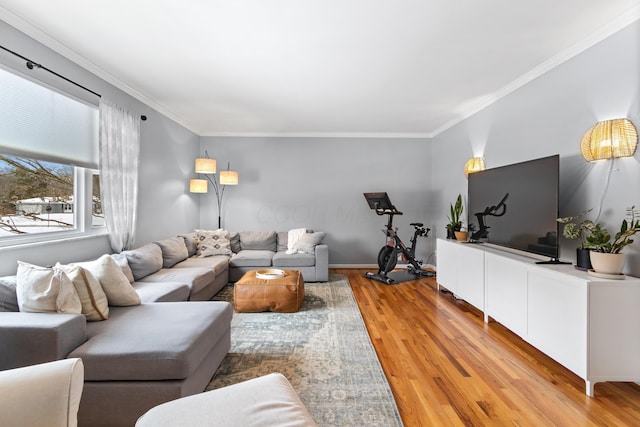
(40, 123)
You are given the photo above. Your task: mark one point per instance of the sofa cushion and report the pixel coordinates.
(283, 238)
(190, 243)
(213, 242)
(39, 337)
(166, 341)
(123, 263)
(173, 250)
(307, 242)
(115, 284)
(258, 240)
(45, 290)
(282, 259)
(196, 278)
(217, 263)
(252, 258)
(161, 291)
(95, 306)
(8, 296)
(145, 260)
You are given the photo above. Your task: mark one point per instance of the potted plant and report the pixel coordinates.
(574, 228)
(463, 234)
(606, 252)
(455, 220)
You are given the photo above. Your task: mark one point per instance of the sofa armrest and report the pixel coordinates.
(44, 394)
(30, 338)
(322, 263)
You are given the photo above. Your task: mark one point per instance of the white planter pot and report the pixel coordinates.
(607, 263)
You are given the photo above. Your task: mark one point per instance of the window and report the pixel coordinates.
(49, 187)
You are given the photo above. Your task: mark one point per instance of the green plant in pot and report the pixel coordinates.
(577, 228)
(455, 217)
(606, 251)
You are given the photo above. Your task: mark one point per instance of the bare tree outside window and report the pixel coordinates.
(97, 216)
(35, 196)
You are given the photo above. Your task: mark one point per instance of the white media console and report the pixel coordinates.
(589, 325)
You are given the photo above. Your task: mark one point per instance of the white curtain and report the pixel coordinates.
(119, 157)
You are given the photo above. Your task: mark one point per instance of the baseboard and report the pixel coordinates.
(374, 266)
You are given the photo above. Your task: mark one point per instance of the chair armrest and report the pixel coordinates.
(30, 338)
(46, 394)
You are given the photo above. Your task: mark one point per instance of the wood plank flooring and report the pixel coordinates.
(446, 367)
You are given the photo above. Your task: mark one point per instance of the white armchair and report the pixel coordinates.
(47, 394)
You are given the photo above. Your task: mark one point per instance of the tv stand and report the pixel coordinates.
(553, 261)
(587, 324)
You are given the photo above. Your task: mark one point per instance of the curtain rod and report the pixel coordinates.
(31, 65)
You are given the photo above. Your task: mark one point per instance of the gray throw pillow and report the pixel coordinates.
(306, 244)
(190, 243)
(145, 260)
(174, 250)
(234, 241)
(8, 296)
(123, 263)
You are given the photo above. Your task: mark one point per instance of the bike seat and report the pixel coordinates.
(416, 224)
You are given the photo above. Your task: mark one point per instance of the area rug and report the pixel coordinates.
(323, 350)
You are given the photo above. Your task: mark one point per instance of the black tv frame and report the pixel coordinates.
(500, 206)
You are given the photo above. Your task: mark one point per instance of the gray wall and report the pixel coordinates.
(549, 116)
(167, 151)
(317, 183)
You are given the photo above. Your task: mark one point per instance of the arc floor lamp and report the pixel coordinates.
(207, 167)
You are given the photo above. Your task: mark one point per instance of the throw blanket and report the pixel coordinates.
(293, 236)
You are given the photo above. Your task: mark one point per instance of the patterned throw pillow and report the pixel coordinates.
(213, 242)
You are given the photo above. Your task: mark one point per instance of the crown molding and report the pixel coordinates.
(629, 17)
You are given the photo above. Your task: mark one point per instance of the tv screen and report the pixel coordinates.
(516, 206)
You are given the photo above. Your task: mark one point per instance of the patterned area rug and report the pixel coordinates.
(323, 350)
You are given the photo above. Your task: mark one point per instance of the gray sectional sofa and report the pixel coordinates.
(167, 347)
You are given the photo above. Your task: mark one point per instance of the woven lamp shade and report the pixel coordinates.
(198, 186)
(228, 178)
(609, 139)
(474, 164)
(205, 165)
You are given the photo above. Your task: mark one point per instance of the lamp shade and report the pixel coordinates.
(609, 139)
(228, 178)
(475, 164)
(198, 186)
(205, 165)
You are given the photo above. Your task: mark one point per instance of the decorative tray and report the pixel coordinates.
(270, 273)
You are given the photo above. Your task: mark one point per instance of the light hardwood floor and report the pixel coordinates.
(446, 367)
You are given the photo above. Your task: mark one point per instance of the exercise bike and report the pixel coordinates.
(388, 255)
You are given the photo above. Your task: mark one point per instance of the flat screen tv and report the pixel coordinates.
(516, 206)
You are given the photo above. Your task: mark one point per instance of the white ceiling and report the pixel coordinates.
(407, 68)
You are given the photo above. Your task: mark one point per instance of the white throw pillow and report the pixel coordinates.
(113, 281)
(45, 290)
(213, 242)
(93, 299)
